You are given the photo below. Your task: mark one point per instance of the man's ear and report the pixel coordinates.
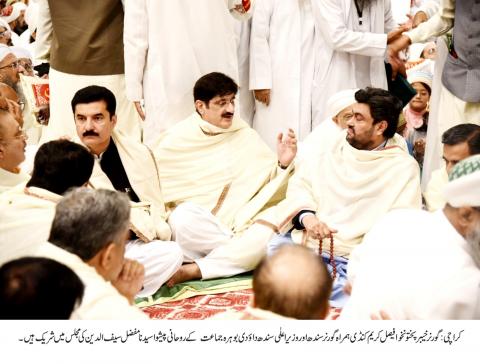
(200, 106)
(2, 152)
(105, 257)
(465, 215)
(381, 127)
(114, 120)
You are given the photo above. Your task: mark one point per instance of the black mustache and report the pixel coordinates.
(89, 133)
(227, 115)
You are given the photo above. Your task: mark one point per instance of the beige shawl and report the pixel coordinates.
(230, 172)
(148, 218)
(26, 216)
(350, 190)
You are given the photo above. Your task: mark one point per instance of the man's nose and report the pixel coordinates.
(231, 107)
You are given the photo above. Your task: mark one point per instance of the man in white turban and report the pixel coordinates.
(428, 270)
(339, 111)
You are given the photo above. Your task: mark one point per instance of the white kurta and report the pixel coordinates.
(340, 41)
(414, 265)
(101, 301)
(282, 60)
(168, 46)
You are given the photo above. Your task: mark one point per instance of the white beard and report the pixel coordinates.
(473, 240)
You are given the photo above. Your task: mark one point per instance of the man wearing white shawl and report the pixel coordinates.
(337, 196)
(221, 175)
(429, 270)
(339, 111)
(126, 165)
(26, 211)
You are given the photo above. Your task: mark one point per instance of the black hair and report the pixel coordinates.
(95, 93)
(464, 133)
(213, 84)
(60, 165)
(383, 106)
(38, 289)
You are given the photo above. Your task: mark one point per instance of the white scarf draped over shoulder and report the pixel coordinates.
(9, 179)
(350, 189)
(148, 217)
(230, 172)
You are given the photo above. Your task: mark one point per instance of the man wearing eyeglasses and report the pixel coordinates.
(12, 152)
(9, 67)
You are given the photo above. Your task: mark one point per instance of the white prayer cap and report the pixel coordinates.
(16, 11)
(340, 101)
(4, 51)
(415, 51)
(21, 52)
(4, 24)
(463, 187)
(421, 76)
(31, 16)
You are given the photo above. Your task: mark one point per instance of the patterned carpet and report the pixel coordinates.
(200, 307)
(205, 306)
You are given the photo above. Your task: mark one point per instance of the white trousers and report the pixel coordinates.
(161, 260)
(216, 250)
(63, 87)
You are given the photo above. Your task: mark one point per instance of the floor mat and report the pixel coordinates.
(200, 307)
(189, 289)
(205, 306)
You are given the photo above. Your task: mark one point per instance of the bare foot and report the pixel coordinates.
(186, 272)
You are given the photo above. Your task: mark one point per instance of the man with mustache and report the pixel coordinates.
(430, 269)
(337, 195)
(218, 176)
(123, 164)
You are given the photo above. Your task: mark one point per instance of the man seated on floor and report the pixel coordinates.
(12, 152)
(429, 270)
(459, 142)
(26, 212)
(128, 166)
(339, 109)
(336, 197)
(89, 234)
(218, 175)
(29, 290)
(292, 283)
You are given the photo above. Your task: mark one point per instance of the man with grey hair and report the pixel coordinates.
(88, 235)
(430, 270)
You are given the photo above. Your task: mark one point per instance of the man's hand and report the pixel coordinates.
(419, 147)
(286, 148)
(140, 111)
(262, 96)
(130, 280)
(398, 66)
(419, 18)
(315, 228)
(396, 33)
